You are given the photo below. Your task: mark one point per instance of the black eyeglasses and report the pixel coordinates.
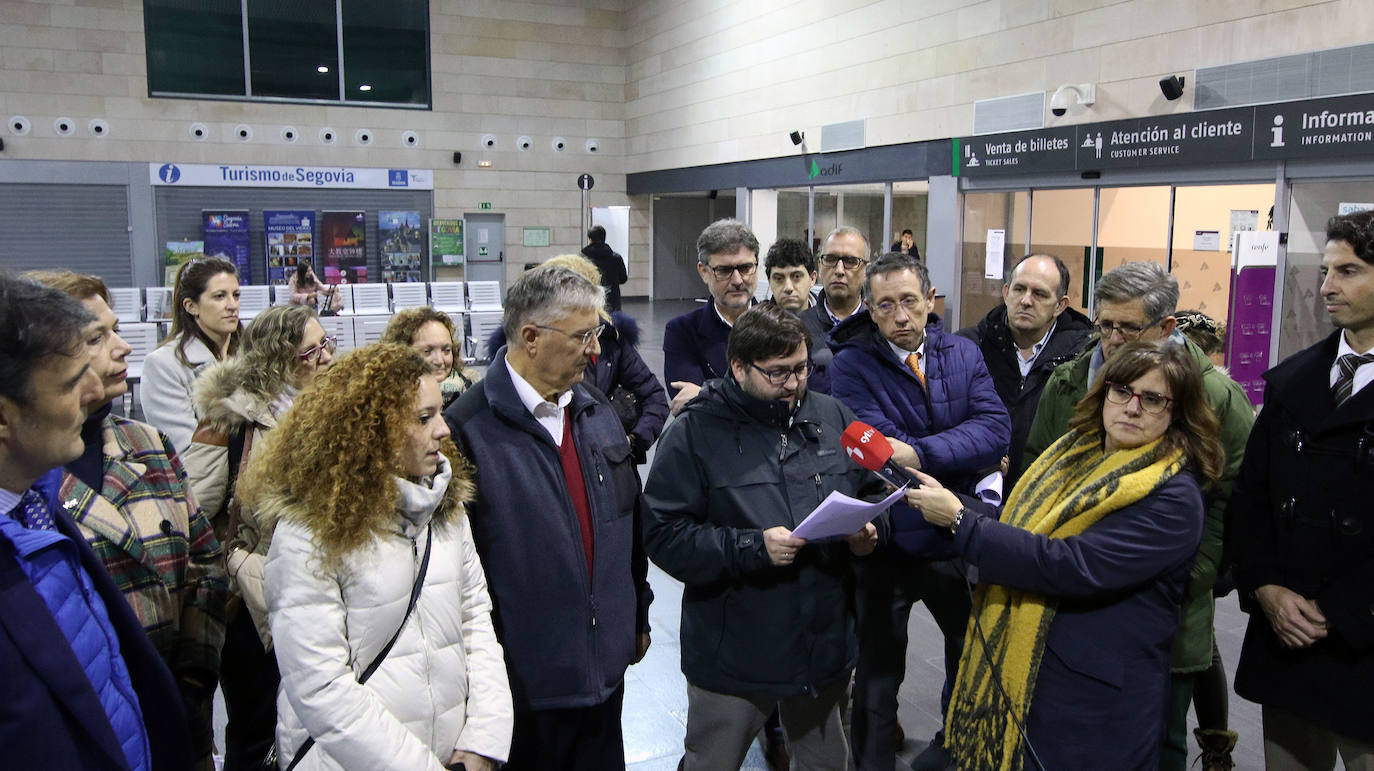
(850, 262)
(779, 377)
(585, 337)
(330, 343)
(724, 272)
(1128, 331)
(1150, 401)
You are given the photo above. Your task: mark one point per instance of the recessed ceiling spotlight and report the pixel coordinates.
(364, 87)
(322, 69)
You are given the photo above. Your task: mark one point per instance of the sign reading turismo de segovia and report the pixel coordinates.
(1335, 128)
(249, 175)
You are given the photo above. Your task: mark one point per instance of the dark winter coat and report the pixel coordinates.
(694, 346)
(1021, 394)
(619, 364)
(1103, 683)
(730, 467)
(568, 633)
(612, 269)
(957, 424)
(1302, 518)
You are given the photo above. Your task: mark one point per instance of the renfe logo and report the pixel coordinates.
(169, 173)
(832, 170)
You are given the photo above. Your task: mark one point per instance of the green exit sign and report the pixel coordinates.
(484, 205)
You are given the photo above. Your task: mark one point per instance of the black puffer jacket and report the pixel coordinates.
(1019, 394)
(728, 468)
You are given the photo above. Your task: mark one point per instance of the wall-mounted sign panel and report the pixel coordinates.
(333, 177)
(1334, 128)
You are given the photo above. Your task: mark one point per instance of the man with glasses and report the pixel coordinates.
(1033, 331)
(694, 343)
(556, 523)
(767, 619)
(1136, 301)
(844, 254)
(1304, 529)
(930, 393)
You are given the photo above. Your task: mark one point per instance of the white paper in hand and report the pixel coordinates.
(840, 515)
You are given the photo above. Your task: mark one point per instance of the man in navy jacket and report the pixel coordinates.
(694, 343)
(930, 393)
(83, 686)
(556, 522)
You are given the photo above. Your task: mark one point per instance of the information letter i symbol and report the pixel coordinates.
(1277, 131)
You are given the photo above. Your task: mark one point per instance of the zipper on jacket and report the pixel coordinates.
(420, 630)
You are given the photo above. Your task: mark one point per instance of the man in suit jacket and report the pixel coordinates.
(83, 686)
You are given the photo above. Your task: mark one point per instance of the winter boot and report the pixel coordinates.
(1216, 748)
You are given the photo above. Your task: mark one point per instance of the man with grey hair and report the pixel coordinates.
(694, 343)
(556, 521)
(844, 255)
(1136, 301)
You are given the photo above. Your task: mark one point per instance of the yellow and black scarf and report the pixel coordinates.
(1069, 488)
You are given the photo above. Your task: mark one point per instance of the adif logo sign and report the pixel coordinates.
(832, 170)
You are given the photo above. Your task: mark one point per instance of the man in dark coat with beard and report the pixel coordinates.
(611, 265)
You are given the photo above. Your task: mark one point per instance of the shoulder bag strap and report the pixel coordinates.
(377, 662)
(240, 446)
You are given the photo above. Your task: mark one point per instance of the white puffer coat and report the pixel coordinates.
(443, 687)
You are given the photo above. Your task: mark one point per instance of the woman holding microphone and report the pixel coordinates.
(1066, 663)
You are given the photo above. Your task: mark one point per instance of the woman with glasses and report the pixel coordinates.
(241, 400)
(1082, 576)
(618, 371)
(377, 599)
(205, 329)
(433, 334)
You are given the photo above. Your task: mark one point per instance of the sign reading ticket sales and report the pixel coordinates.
(328, 177)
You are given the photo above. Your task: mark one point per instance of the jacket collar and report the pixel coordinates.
(505, 402)
(1302, 384)
(417, 502)
(103, 511)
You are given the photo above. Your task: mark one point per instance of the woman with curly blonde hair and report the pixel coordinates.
(433, 334)
(373, 569)
(239, 401)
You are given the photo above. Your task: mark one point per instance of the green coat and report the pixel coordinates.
(1067, 384)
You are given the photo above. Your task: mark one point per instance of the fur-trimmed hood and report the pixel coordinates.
(221, 401)
(281, 505)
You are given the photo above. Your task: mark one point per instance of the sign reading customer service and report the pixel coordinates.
(1313, 128)
(239, 175)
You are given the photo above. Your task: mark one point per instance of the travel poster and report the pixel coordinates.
(343, 239)
(290, 240)
(402, 245)
(446, 240)
(226, 236)
(177, 254)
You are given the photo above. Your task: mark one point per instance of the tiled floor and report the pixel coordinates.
(656, 694)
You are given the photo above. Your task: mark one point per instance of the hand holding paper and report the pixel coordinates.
(840, 515)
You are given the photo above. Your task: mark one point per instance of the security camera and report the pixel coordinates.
(593, 145)
(524, 143)
(1171, 87)
(797, 137)
(488, 141)
(1070, 94)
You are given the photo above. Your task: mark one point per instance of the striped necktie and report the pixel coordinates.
(1345, 380)
(913, 363)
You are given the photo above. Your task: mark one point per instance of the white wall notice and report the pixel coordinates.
(997, 247)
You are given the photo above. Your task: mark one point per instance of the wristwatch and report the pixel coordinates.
(958, 519)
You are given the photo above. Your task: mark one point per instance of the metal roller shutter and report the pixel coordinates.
(81, 227)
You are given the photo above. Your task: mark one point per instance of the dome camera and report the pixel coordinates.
(64, 126)
(1070, 94)
(19, 125)
(559, 144)
(327, 136)
(198, 131)
(593, 145)
(363, 136)
(244, 133)
(524, 143)
(410, 139)
(488, 141)
(98, 127)
(289, 133)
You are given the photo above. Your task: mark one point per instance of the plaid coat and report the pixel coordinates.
(160, 550)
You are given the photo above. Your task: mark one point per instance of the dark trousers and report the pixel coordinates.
(249, 678)
(889, 584)
(579, 739)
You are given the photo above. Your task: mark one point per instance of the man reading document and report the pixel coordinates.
(767, 618)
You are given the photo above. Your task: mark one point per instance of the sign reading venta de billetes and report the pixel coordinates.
(238, 175)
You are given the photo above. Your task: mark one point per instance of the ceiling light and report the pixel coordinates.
(364, 87)
(322, 69)
(484, 164)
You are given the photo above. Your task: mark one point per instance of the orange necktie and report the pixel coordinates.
(913, 363)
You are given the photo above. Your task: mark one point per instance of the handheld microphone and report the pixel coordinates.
(869, 448)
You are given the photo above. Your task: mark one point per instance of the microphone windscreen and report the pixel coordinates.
(866, 445)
